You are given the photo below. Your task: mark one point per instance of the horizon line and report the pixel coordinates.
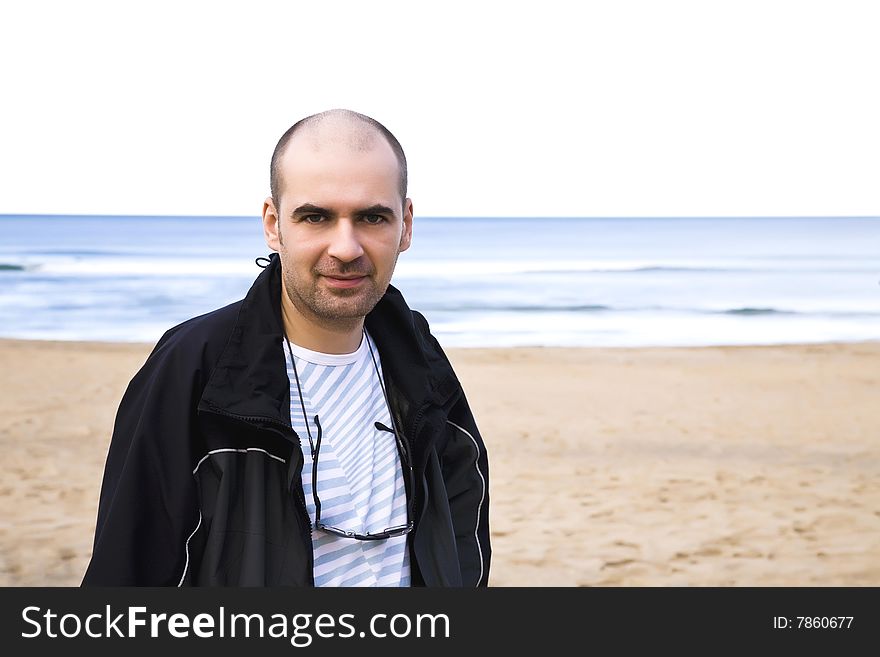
(462, 216)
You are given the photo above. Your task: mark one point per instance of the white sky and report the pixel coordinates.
(623, 108)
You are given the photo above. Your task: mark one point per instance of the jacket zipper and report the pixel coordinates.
(299, 495)
(416, 425)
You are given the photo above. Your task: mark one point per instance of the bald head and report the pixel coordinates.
(334, 129)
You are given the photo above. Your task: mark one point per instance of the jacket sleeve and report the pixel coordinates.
(148, 505)
(465, 468)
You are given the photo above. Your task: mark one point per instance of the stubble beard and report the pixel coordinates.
(340, 309)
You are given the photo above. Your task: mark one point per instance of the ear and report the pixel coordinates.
(271, 225)
(406, 235)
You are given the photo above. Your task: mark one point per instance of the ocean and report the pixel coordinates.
(481, 282)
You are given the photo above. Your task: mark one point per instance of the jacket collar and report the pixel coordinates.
(250, 378)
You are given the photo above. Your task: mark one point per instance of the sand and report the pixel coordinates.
(717, 466)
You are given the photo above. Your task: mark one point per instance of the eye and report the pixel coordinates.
(373, 218)
(313, 218)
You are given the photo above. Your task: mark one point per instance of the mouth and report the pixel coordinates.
(346, 281)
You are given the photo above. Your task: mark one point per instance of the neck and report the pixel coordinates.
(340, 337)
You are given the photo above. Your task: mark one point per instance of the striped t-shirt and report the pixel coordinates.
(360, 482)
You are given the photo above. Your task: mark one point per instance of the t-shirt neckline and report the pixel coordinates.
(320, 358)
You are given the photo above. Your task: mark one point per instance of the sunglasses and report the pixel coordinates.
(390, 532)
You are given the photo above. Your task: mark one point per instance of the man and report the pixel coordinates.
(313, 433)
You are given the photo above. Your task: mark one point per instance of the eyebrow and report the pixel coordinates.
(311, 208)
(378, 208)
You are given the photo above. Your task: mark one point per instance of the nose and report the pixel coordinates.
(344, 243)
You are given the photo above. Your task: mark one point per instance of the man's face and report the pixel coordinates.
(338, 228)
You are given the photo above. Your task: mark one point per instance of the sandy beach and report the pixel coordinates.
(730, 466)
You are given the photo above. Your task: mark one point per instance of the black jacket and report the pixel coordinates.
(202, 482)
